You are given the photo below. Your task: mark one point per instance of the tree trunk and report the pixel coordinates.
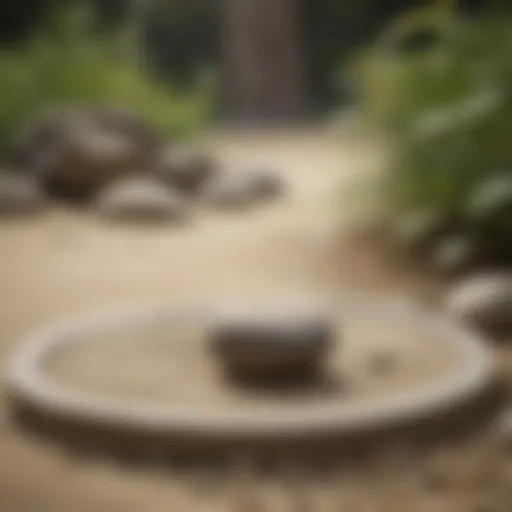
(263, 77)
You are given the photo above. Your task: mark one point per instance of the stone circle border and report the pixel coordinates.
(29, 388)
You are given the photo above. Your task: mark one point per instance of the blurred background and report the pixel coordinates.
(181, 41)
(391, 117)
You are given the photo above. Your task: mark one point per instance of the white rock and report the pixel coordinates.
(141, 199)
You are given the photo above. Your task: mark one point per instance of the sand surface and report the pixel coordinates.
(171, 363)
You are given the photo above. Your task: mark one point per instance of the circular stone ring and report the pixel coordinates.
(31, 390)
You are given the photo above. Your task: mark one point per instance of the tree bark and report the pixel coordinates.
(263, 76)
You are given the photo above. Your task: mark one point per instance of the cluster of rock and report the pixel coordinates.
(113, 160)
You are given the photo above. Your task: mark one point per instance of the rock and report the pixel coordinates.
(268, 184)
(242, 189)
(141, 199)
(484, 301)
(275, 343)
(19, 193)
(186, 168)
(77, 152)
(118, 120)
(231, 191)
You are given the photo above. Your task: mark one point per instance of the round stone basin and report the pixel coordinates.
(150, 371)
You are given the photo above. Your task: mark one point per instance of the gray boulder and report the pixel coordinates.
(141, 199)
(19, 193)
(268, 183)
(286, 343)
(484, 301)
(242, 189)
(186, 168)
(77, 152)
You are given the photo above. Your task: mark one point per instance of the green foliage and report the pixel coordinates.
(446, 111)
(67, 65)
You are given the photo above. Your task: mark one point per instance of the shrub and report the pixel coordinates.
(70, 64)
(446, 113)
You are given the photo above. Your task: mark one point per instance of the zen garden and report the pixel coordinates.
(256, 256)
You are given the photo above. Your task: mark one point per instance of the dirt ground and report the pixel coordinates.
(66, 262)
